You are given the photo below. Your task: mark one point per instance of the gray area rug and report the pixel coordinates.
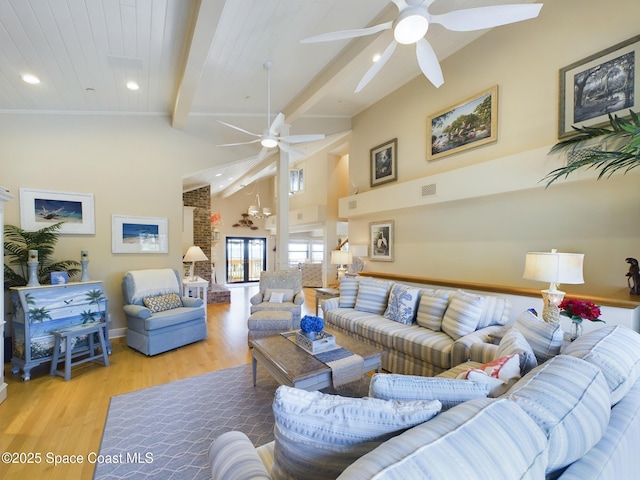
(164, 432)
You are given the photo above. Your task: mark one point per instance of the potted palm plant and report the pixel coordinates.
(622, 134)
(18, 242)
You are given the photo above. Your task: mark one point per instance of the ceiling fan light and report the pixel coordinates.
(410, 26)
(268, 141)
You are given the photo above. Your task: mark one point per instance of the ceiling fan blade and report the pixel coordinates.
(375, 68)
(264, 153)
(429, 63)
(238, 128)
(470, 19)
(343, 34)
(241, 143)
(302, 138)
(276, 126)
(290, 150)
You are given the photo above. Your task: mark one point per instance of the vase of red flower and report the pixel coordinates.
(578, 311)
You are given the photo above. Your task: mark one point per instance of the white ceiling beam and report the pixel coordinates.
(204, 24)
(248, 177)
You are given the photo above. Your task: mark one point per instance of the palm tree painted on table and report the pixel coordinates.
(96, 296)
(39, 314)
(88, 316)
(624, 136)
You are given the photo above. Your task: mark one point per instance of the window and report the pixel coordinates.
(302, 251)
(296, 180)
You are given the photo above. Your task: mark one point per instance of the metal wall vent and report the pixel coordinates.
(353, 204)
(299, 216)
(428, 190)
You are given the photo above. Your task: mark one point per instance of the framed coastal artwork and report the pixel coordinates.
(139, 234)
(42, 208)
(604, 83)
(384, 163)
(381, 241)
(468, 124)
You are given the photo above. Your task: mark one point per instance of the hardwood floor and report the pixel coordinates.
(51, 417)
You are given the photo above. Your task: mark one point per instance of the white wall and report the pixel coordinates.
(485, 239)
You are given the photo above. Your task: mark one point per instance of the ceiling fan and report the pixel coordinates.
(412, 23)
(271, 137)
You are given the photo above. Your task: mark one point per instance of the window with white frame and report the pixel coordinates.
(296, 180)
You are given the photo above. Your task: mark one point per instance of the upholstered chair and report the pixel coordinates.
(280, 291)
(159, 318)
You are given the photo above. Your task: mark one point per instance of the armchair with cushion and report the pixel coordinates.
(159, 318)
(280, 291)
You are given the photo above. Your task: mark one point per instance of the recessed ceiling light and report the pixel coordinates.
(31, 79)
(218, 174)
(133, 86)
(376, 57)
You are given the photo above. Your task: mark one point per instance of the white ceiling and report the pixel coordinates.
(204, 58)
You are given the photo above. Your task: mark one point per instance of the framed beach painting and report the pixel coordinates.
(604, 83)
(468, 124)
(384, 163)
(139, 234)
(42, 208)
(381, 241)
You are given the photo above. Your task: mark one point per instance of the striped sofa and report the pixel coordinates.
(575, 416)
(433, 337)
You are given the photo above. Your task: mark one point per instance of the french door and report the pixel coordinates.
(246, 258)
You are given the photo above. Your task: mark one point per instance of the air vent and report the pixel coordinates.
(353, 204)
(428, 190)
(299, 216)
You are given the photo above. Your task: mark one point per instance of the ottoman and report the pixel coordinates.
(265, 323)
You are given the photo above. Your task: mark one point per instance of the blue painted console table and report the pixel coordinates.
(38, 311)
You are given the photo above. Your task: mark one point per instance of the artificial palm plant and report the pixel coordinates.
(624, 135)
(18, 242)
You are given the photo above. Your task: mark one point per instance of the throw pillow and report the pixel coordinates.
(462, 314)
(348, 292)
(514, 342)
(614, 349)
(276, 297)
(498, 374)
(450, 391)
(160, 303)
(433, 304)
(287, 294)
(495, 311)
(402, 304)
(545, 338)
(319, 435)
(372, 296)
(569, 400)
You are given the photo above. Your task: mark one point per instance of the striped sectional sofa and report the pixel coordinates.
(421, 331)
(575, 416)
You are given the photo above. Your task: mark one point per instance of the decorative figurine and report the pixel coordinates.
(633, 276)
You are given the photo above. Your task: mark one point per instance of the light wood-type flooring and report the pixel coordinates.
(51, 417)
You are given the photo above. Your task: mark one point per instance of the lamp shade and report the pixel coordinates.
(554, 267)
(341, 257)
(195, 254)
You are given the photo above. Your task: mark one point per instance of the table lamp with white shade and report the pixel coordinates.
(555, 268)
(194, 254)
(340, 258)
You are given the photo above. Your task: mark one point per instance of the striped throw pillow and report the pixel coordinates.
(514, 342)
(449, 391)
(348, 292)
(318, 435)
(433, 304)
(462, 315)
(568, 399)
(372, 296)
(545, 338)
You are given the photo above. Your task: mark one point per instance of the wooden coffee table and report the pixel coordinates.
(293, 366)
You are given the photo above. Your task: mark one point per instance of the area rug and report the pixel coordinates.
(164, 432)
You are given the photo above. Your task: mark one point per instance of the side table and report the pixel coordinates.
(196, 289)
(324, 294)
